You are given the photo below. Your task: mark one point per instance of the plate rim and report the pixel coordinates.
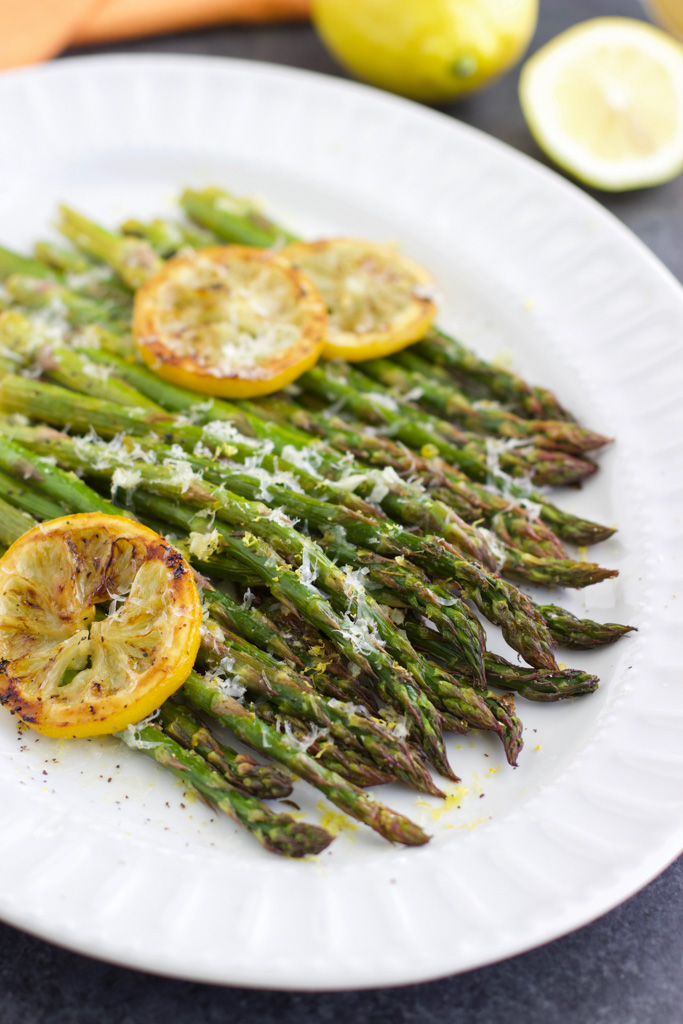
(667, 852)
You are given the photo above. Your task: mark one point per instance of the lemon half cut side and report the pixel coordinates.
(605, 101)
(99, 623)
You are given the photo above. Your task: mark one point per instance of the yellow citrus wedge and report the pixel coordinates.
(99, 623)
(230, 321)
(605, 101)
(377, 300)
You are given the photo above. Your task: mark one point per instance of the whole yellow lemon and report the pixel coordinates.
(430, 50)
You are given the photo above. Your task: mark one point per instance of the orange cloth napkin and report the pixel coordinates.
(669, 13)
(34, 30)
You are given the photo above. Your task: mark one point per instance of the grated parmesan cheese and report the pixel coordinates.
(382, 399)
(126, 479)
(307, 571)
(308, 459)
(203, 545)
(183, 474)
(131, 734)
(515, 489)
(361, 629)
(96, 370)
(223, 431)
(304, 741)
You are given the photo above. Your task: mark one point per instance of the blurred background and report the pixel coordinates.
(604, 107)
(590, 87)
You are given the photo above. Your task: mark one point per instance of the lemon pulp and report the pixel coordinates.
(605, 101)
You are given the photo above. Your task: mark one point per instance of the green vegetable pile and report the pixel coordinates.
(344, 530)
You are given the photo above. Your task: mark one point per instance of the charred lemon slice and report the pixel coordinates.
(377, 300)
(230, 321)
(99, 623)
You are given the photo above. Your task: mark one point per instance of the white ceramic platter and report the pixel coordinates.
(100, 851)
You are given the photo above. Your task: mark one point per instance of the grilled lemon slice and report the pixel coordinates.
(378, 301)
(230, 321)
(66, 668)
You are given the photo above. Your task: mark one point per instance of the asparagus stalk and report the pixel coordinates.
(330, 673)
(472, 502)
(503, 604)
(60, 259)
(133, 258)
(264, 781)
(208, 697)
(396, 684)
(409, 376)
(580, 634)
(13, 263)
(72, 370)
(233, 219)
(258, 671)
(539, 686)
(504, 711)
(249, 623)
(167, 237)
(13, 522)
(570, 527)
(508, 519)
(533, 684)
(295, 696)
(64, 487)
(341, 383)
(552, 572)
(79, 310)
(535, 403)
(32, 501)
(351, 765)
(280, 833)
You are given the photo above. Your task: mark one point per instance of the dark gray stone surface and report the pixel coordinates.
(626, 968)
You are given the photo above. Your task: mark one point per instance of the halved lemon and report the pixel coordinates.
(66, 669)
(230, 320)
(378, 301)
(605, 101)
